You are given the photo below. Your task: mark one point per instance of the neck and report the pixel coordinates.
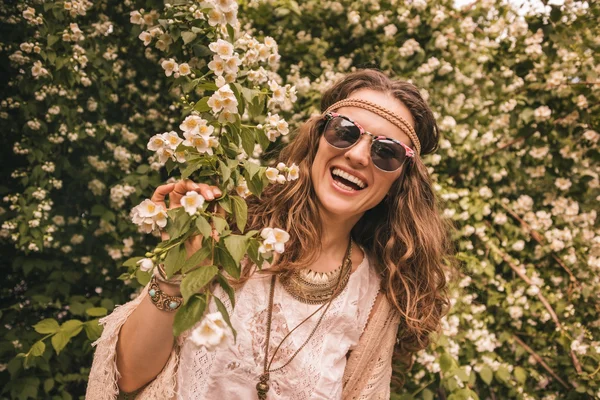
(334, 242)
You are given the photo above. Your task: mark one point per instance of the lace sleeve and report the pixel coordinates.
(373, 355)
(102, 383)
(378, 384)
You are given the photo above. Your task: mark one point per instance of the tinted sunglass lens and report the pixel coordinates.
(341, 133)
(387, 155)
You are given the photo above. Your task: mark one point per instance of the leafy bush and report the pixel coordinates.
(517, 101)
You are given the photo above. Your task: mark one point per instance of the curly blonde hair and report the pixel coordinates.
(404, 236)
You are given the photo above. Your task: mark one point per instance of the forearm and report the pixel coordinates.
(145, 343)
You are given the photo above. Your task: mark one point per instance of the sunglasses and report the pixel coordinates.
(387, 154)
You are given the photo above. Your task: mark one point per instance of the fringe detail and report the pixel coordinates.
(102, 383)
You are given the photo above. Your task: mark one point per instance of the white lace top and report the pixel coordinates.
(315, 373)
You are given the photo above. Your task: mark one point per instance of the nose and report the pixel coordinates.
(359, 154)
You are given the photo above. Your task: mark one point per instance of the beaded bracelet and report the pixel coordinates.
(161, 300)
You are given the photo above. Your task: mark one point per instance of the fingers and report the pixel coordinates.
(209, 192)
(182, 187)
(161, 192)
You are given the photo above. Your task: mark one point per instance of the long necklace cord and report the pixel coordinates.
(262, 386)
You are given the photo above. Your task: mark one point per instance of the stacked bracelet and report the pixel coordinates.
(161, 300)
(161, 276)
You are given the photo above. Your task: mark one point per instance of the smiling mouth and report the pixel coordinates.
(347, 181)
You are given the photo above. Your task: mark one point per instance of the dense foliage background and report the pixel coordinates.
(517, 98)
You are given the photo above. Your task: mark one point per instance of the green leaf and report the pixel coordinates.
(520, 375)
(236, 245)
(203, 226)
(201, 51)
(225, 203)
(189, 313)
(240, 210)
(45, 326)
(142, 277)
(37, 349)
(48, 385)
(427, 394)
(132, 262)
(231, 33)
(188, 37)
(93, 329)
(486, 374)
(502, 374)
(251, 168)
(67, 330)
(225, 314)
(225, 171)
(52, 39)
(219, 223)
(223, 259)
(446, 362)
(196, 280)
(96, 311)
(227, 288)
(252, 249)
(202, 105)
(190, 169)
(196, 258)
(207, 86)
(247, 140)
(175, 259)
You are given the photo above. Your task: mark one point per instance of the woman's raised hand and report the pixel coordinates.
(174, 192)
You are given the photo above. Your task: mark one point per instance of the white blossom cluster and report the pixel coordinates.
(149, 216)
(277, 175)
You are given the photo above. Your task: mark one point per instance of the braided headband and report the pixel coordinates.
(383, 112)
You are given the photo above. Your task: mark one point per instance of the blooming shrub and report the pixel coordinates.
(108, 99)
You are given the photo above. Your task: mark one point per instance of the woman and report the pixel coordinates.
(362, 277)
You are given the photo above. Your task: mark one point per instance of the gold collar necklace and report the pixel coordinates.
(311, 287)
(262, 387)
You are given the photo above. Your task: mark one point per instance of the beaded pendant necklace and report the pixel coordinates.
(262, 387)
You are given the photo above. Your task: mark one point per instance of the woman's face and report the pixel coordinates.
(342, 200)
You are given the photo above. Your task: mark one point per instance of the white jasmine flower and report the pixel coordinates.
(145, 264)
(136, 18)
(278, 92)
(242, 188)
(272, 174)
(195, 124)
(191, 202)
(390, 30)
(275, 240)
(542, 113)
(184, 69)
(518, 245)
(169, 66)
(149, 216)
(156, 142)
(164, 154)
(562, 183)
(172, 139)
(38, 70)
(222, 48)
(146, 37)
(213, 332)
(223, 99)
(202, 143)
(293, 172)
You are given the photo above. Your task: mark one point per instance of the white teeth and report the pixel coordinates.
(348, 177)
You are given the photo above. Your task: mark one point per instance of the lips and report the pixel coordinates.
(346, 180)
